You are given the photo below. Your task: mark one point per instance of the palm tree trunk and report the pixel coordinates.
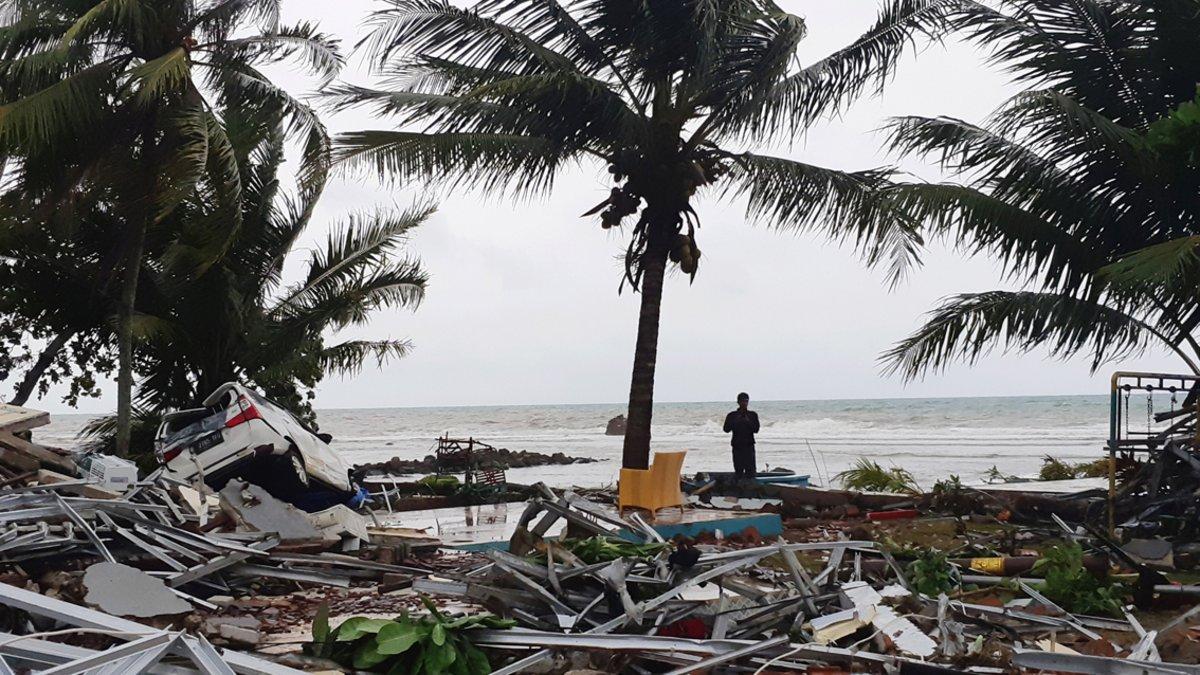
(641, 388)
(133, 268)
(25, 389)
(129, 284)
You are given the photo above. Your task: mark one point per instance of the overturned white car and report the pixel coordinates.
(240, 433)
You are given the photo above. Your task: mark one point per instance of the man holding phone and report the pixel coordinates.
(743, 424)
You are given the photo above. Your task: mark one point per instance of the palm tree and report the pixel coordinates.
(124, 100)
(238, 321)
(666, 95)
(1064, 184)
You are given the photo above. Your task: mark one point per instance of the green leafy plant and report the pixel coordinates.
(931, 573)
(1073, 587)
(599, 549)
(1056, 469)
(951, 496)
(868, 475)
(427, 645)
(439, 485)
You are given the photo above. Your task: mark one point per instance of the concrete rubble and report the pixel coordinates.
(122, 590)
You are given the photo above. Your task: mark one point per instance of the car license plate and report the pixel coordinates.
(207, 442)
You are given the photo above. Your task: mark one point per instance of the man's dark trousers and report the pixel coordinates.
(743, 461)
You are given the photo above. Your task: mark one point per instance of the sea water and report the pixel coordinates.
(932, 438)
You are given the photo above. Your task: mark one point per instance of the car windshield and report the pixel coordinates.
(215, 419)
(278, 409)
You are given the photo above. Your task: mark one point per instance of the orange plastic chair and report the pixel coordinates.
(653, 488)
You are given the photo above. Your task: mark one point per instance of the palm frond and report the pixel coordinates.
(365, 241)
(1026, 245)
(348, 358)
(1062, 128)
(490, 162)
(158, 78)
(351, 300)
(321, 52)
(824, 87)
(437, 28)
(107, 15)
(182, 170)
(967, 327)
(550, 23)
(743, 80)
(65, 109)
(1167, 262)
(791, 195)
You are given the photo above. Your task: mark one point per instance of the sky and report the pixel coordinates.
(522, 306)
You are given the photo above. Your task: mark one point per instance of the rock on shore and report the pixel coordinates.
(500, 458)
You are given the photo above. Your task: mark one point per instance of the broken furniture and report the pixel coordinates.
(462, 455)
(15, 424)
(654, 488)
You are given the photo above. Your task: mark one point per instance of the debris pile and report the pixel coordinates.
(840, 603)
(97, 571)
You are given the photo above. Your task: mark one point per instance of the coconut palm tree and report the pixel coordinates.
(1064, 184)
(238, 320)
(668, 96)
(124, 100)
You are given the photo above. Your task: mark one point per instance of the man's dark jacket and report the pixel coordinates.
(743, 425)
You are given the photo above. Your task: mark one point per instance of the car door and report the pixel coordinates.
(320, 461)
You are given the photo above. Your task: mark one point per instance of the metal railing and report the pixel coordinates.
(1127, 438)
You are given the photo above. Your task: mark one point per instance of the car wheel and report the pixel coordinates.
(297, 464)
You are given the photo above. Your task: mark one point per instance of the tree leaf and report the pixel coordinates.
(358, 626)
(368, 655)
(397, 638)
(320, 629)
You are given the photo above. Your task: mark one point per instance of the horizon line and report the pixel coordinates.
(625, 403)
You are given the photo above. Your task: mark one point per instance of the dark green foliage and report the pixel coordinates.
(1073, 587)
(931, 573)
(1177, 136)
(1056, 469)
(1066, 183)
(430, 644)
(237, 321)
(116, 116)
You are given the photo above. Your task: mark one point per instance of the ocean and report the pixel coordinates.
(931, 437)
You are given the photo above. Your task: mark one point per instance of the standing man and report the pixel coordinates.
(743, 422)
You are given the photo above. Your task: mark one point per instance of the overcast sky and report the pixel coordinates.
(523, 307)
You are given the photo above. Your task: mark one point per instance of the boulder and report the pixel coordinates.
(616, 426)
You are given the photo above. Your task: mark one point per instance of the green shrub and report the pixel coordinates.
(1075, 589)
(931, 573)
(867, 475)
(1055, 469)
(600, 549)
(427, 645)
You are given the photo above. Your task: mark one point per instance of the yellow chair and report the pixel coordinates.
(653, 488)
